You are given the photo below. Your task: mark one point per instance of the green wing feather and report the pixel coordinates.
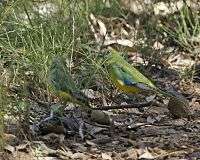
(119, 74)
(59, 77)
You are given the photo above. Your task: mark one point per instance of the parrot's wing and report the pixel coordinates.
(122, 76)
(60, 78)
(125, 77)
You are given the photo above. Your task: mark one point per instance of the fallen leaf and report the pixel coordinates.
(91, 94)
(161, 8)
(146, 155)
(130, 154)
(106, 156)
(123, 42)
(90, 143)
(78, 156)
(150, 98)
(9, 148)
(158, 46)
(10, 139)
(102, 28)
(23, 147)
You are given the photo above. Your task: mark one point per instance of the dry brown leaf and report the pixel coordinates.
(106, 156)
(9, 148)
(158, 46)
(79, 156)
(130, 154)
(122, 42)
(146, 155)
(91, 94)
(108, 31)
(102, 28)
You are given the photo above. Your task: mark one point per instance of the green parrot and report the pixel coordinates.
(63, 85)
(127, 78)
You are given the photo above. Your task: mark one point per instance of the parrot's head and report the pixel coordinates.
(113, 57)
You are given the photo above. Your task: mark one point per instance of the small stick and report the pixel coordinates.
(135, 105)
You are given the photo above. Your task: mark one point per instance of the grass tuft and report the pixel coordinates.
(184, 29)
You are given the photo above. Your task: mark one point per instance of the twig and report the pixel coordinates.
(134, 105)
(28, 16)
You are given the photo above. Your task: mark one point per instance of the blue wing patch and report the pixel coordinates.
(128, 80)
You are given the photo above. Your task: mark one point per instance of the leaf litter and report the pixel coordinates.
(125, 133)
